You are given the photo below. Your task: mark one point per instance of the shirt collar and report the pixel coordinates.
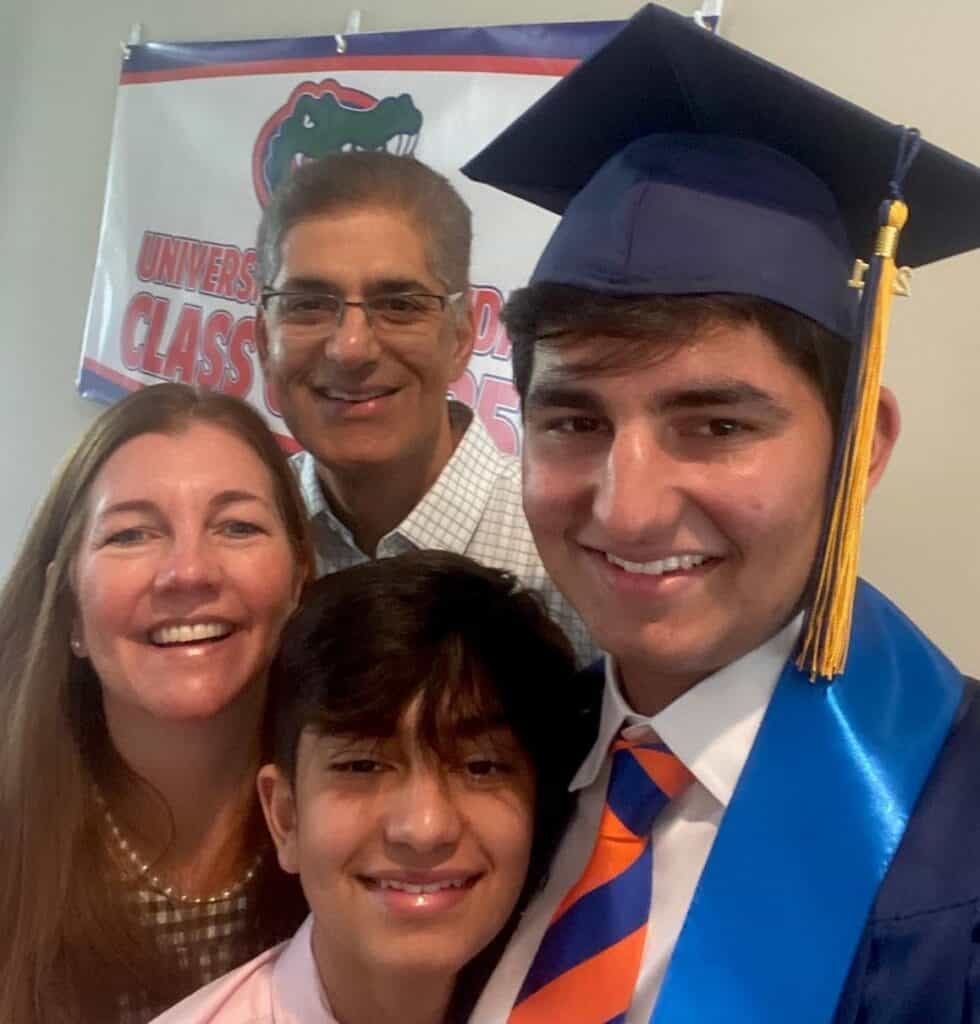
(711, 727)
(461, 491)
(297, 994)
(309, 484)
(476, 462)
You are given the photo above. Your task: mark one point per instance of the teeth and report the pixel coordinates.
(658, 568)
(415, 890)
(345, 396)
(189, 634)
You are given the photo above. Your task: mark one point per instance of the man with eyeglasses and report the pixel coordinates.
(363, 324)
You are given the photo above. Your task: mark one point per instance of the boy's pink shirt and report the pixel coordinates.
(280, 986)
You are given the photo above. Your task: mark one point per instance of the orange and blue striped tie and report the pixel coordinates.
(588, 962)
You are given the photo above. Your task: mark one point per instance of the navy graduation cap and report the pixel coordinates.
(683, 164)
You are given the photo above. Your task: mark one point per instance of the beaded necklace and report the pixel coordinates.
(143, 869)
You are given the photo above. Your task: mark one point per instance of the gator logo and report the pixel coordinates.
(330, 118)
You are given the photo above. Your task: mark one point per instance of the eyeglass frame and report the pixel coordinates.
(363, 304)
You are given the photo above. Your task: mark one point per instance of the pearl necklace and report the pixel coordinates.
(143, 871)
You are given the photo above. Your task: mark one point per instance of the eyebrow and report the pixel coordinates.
(467, 727)
(232, 497)
(143, 505)
(309, 284)
(557, 395)
(471, 726)
(393, 285)
(120, 507)
(719, 393)
(378, 286)
(558, 390)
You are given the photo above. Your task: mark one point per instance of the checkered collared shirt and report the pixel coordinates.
(474, 508)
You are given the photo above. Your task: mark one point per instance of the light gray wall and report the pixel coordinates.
(912, 62)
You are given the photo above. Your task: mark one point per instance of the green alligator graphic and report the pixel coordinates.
(321, 125)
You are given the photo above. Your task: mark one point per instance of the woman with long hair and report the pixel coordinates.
(136, 631)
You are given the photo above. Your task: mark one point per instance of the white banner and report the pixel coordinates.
(203, 131)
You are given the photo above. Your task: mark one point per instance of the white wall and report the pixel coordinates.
(910, 61)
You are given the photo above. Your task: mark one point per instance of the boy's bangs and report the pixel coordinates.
(454, 702)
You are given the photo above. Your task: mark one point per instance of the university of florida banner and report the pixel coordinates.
(204, 131)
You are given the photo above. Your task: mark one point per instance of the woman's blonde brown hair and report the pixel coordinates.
(70, 946)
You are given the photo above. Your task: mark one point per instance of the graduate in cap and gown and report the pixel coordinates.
(779, 819)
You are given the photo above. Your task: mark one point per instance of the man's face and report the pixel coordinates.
(678, 504)
(362, 394)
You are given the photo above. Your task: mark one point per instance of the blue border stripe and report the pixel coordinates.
(568, 40)
(99, 389)
(592, 925)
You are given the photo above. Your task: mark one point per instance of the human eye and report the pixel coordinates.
(357, 766)
(576, 425)
(402, 308)
(720, 428)
(308, 307)
(488, 760)
(240, 528)
(129, 536)
(485, 769)
(567, 425)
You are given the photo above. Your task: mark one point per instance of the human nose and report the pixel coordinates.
(189, 563)
(352, 343)
(422, 816)
(637, 490)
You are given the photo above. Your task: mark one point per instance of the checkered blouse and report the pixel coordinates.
(207, 940)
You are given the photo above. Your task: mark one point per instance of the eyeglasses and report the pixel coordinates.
(311, 314)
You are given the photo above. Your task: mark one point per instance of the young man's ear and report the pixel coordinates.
(279, 808)
(887, 427)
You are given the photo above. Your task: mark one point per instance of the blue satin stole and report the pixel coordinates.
(812, 827)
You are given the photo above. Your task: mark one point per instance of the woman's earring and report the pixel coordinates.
(77, 647)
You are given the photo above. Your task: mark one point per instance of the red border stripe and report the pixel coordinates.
(550, 66)
(107, 373)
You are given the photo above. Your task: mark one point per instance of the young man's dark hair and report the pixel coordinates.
(628, 330)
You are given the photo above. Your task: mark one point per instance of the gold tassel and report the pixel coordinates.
(824, 649)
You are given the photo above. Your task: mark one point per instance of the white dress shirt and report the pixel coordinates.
(711, 728)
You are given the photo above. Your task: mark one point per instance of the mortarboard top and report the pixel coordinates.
(683, 164)
(716, 113)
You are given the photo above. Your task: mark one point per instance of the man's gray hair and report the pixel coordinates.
(373, 178)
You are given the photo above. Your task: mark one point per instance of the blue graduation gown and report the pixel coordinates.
(919, 957)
